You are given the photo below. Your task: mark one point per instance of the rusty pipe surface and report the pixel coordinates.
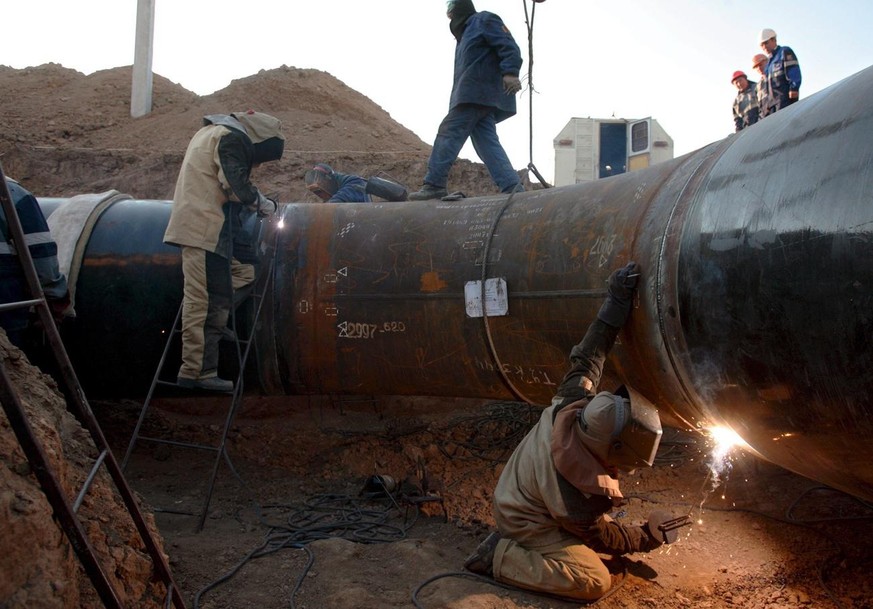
(754, 310)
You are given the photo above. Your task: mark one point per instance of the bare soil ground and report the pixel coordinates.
(288, 524)
(762, 538)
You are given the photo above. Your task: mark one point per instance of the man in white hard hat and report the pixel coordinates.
(783, 72)
(553, 496)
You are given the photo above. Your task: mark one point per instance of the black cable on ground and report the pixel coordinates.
(371, 518)
(495, 432)
(494, 582)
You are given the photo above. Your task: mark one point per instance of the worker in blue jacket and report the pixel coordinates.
(334, 187)
(43, 251)
(487, 64)
(783, 72)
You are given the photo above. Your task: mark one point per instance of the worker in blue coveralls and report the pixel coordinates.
(487, 64)
(334, 187)
(783, 72)
(43, 251)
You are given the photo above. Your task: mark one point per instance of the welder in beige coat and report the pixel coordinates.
(552, 500)
(213, 189)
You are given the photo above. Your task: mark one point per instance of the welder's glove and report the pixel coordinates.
(265, 206)
(511, 84)
(622, 286)
(656, 519)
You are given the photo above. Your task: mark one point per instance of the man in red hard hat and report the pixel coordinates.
(746, 102)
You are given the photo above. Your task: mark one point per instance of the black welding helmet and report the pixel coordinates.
(622, 429)
(265, 132)
(321, 181)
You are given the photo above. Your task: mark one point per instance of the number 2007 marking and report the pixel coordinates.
(351, 329)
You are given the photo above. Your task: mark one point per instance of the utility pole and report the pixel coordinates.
(141, 88)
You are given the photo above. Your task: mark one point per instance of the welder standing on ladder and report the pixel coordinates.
(213, 188)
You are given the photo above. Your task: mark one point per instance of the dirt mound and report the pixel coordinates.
(74, 133)
(38, 564)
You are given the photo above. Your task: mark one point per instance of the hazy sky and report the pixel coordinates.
(668, 59)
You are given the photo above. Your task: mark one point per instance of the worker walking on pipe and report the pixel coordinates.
(487, 63)
(553, 496)
(213, 190)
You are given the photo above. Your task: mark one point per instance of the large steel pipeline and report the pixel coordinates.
(755, 309)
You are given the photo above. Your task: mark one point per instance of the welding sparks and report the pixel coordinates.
(281, 223)
(724, 440)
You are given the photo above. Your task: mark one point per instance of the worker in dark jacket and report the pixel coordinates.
(746, 101)
(553, 496)
(783, 72)
(43, 251)
(487, 63)
(334, 187)
(213, 190)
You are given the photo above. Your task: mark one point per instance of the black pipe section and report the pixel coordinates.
(754, 310)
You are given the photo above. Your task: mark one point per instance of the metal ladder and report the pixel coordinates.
(243, 349)
(65, 511)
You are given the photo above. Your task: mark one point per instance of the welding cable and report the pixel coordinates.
(323, 516)
(494, 582)
(492, 350)
(794, 503)
(529, 22)
(501, 427)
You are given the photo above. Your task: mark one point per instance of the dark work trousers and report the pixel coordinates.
(477, 123)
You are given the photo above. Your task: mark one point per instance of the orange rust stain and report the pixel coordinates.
(432, 282)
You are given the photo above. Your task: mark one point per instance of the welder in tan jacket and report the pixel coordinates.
(213, 189)
(552, 500)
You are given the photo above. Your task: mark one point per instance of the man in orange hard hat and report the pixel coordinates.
(762, 89)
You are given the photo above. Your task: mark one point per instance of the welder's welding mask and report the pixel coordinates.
(265, 132)
(321, 181)
(622, 429)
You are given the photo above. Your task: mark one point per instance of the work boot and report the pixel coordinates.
(211, 384)
(481, 561)
(428, 192)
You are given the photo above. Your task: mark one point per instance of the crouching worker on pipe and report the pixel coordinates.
(213, 190)
(552, 499)
(334, 187)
